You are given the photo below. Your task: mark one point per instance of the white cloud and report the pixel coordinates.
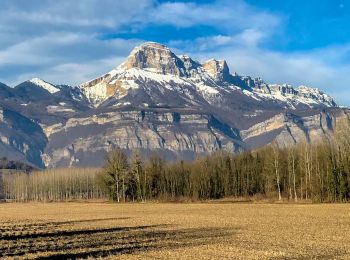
(59, 40)
(81, 72)
(89, 13)
(64, 58)
(248, 38)
(39, 36)
(221, 13)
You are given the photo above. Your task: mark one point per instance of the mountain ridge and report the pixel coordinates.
(156, 101)
(157, 61)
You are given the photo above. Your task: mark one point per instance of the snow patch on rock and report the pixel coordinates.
(45, 85)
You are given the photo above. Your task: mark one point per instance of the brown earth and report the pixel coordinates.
(175, 231)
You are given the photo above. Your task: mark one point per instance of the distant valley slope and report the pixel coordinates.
(157, 101)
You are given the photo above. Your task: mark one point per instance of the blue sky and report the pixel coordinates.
(292, 41)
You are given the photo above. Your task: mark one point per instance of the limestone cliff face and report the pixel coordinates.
(155, 57)
(181, 134)
(217, 69)
(176, 134)
(288, 129)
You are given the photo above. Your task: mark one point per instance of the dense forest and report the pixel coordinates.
(318, 172)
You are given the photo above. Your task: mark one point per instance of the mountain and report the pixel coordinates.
(157, 101)
(20, 138)
(152, 72)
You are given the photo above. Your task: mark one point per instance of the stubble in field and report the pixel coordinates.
(174, 231)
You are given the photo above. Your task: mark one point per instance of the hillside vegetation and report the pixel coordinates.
(305, 172)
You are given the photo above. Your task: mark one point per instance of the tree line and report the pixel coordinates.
(306, 172)
(52, 185)
(313, 172)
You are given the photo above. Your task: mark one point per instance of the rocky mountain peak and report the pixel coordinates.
(45, 85)
(157, 101)
(218, 69)
(152, 73)
(188, 63)
(154, 57)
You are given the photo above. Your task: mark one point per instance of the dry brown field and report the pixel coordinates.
(174, 231)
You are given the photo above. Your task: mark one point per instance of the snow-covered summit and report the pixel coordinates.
(152, 73)
(45, 85)
(156, 57)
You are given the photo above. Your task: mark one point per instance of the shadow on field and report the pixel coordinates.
(39, 226)
(72, 233)
(71, 242)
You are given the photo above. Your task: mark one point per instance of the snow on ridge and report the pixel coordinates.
(207, 89)
(153, 45)
(97, 93)
(45, 85)
(133, 77)
(200, 80)
(300, 95)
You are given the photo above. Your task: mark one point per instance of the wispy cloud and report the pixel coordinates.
(231, 15)
(61, 40)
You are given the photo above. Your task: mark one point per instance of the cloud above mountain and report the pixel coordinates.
(74, 41)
